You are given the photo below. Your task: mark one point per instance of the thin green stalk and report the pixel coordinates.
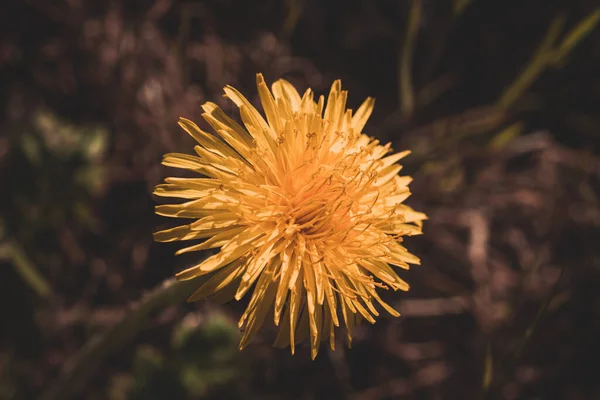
(26, 269)
(538, 63)
(294, 10)
(488, 368)
(407, 92)
(577, 34)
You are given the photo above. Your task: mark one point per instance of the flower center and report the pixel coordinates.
(320, 207)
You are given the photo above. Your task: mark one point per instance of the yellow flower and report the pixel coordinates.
(305, 209)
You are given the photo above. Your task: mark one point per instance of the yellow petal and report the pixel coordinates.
(206, 140)
(269, 106)
(288, 262)
(296, 303)
(218, 240)
(232, 250)
(285, 91)
(183, 232)
(263, 284)
(386, 274)
(394, 158)
(215, 221)
(256, 318)
(219, 280)
(257, 264)
(167, 190)
(362, 114)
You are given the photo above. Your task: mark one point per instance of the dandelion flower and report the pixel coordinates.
(307, 212)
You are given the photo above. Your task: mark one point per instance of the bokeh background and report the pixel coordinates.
(499, 101)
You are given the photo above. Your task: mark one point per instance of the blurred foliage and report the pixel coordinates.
(203, 362)
(497, 100)
(61, 169)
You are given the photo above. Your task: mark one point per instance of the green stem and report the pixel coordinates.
(27, 269)
(407, 93)
(81, 367)
(538, 63)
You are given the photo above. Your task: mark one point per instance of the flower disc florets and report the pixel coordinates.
(305, 209)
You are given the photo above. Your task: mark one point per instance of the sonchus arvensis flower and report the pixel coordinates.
(307, 212)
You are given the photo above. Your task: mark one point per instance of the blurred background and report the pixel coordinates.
(498, 100)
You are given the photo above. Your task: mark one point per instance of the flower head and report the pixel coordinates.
(306, 210)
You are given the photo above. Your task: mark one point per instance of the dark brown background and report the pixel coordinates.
(506, 303)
